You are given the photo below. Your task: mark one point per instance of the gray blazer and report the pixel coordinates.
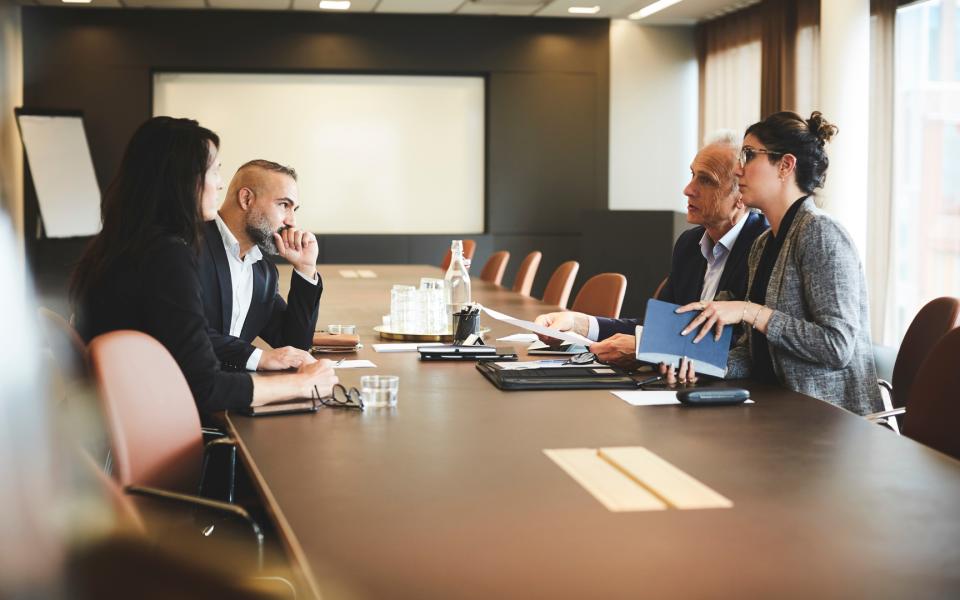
(819, 332)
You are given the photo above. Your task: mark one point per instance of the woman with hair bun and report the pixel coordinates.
(806, 307)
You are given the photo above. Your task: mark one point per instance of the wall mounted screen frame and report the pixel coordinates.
(375, 154)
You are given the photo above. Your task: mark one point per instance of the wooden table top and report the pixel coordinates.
(449, 495)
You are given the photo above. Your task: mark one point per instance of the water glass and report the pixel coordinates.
(379, 390)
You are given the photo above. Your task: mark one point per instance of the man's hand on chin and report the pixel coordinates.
(300, 249)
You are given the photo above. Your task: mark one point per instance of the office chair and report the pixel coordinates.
(560, 284)
(935, 319)
(663, 284)
(523, 282)
(154, 428)
(602, 295)
(934, 407)
(495, 267)
(469, 248)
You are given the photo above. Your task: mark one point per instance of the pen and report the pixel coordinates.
(650, 380)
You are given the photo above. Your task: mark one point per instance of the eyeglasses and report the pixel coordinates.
(584, 358)
(340, 397)
(747, 154)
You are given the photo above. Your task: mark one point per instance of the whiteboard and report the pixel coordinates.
(62, 172)
(374, 154)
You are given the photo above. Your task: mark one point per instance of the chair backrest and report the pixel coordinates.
(936, 318)
(126, 512)
(152, 421)
(660, 287)
(469, 248)
(602, 295)
(495, 267)
(560, 284)
(64, 343)
(934, 406)
(523, 282)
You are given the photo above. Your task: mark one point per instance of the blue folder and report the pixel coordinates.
(661, 341)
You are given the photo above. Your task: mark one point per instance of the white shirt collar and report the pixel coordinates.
(232, 246)
(727, 241)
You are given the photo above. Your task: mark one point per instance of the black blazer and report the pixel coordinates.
(269, 317)
(160, 296)
(688, 268)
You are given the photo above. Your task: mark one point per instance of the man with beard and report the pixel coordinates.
(240, 292)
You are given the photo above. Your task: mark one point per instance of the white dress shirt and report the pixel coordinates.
(716, 256)
(241, 280)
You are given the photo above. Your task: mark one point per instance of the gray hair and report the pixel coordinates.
(724, 137)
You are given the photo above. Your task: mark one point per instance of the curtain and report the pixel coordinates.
(807, 57)
(729, 52)
(777, 80)
(880, 241)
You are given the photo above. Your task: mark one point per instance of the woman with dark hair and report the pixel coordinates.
(806, 303)
(140, 271)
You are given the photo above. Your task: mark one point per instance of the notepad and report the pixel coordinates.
(662, 343)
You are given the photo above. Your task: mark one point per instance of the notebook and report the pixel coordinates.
(509, 376)
(661, 340)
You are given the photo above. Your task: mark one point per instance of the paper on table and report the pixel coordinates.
(566, 336)
(366, 274)
(410, 347)
(354, 364)
(526, 338)
(348, 274)
(546, 364)
(652, 398)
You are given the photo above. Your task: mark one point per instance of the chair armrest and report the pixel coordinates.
(206, 503)
(884, 414)
(209, 448)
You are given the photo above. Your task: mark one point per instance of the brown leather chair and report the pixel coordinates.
(935, 319)
(660, 287)
(523, 282)
(495, 267)
(152, 420)
(560, 284)
(934, 403)
(469, 248)
(602, 295)
(153, 425)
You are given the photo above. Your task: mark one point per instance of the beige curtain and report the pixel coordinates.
(880, 239)
(807, 57)
(729, 50)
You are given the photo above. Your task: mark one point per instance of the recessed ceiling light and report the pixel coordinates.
(656, 7)
(334, 4)
(584, 10)
(77, 1)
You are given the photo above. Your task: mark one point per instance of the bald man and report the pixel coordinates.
(241, 298)
(709, 261)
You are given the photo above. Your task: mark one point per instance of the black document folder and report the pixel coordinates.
(585, 377)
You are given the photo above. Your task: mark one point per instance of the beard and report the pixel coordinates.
(260, 231)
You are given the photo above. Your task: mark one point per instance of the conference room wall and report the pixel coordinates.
(548, 91)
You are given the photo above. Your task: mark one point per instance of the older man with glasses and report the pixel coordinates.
(709, 261)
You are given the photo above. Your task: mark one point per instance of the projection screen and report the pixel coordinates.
(375, 154)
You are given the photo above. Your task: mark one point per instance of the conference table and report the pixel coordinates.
(450, 495)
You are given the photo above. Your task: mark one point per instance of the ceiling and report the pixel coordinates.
(684, 12)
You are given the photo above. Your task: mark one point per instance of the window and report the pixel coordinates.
(926, 158)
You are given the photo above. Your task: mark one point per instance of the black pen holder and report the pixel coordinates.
(465, 324)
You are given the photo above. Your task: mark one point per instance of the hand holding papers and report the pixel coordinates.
(566, 336)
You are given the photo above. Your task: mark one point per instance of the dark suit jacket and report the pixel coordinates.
(688, 267)
(269, 317)
(159, 295)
